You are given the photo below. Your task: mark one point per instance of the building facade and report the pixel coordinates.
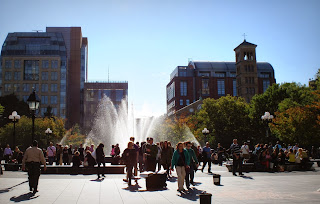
(209, 79)
(35, 60)
(54, 63)
(95, 91)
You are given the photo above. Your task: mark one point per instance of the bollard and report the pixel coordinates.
(205, 198)
(216, 179)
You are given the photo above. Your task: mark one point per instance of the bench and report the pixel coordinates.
(251, 167)
(246, 167)
(68, 169)
(12, 167)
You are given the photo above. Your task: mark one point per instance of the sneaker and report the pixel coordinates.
(103, 175)
(125, 180)
(209, 172)
(241, 174)
(235, 174)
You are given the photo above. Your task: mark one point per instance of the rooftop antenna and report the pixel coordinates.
(244, 36)
(108, 75)
(38, 31)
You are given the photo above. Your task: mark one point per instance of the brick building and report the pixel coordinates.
(210, 79)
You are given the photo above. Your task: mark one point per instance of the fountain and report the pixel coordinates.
(114, 125)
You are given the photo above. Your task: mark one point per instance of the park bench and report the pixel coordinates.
(12, 167)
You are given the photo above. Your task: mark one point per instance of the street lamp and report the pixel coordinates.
(48, 132)
(14, 117)
(205, 131)
(33, 102)
(267, 117)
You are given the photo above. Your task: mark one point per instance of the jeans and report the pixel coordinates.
(50, 159)
(99, 168)
(181, 172)
(189, 176)
(129, 173)
(207, 160)
(33, 174)
(237, 163)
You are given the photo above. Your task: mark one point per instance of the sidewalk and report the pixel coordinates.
(293, 187)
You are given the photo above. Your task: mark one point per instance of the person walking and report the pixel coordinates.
(181, 161)
(220, 152)
(32, 159)
(237, 159)
(129, 156)
(100, 159)
(193, 165)
(206, 152)
(151, 151)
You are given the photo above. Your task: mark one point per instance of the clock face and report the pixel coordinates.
(199, 107)
(191, 110)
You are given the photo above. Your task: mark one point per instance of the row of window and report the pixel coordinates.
(45, 63)
(44, 76)
(249, 80)
(54, 111)
(45, 99)
(26, 87)
(182, 102)
(93, 94)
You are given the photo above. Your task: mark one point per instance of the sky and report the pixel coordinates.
(142, 41)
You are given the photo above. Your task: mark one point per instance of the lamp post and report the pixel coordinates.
(267, 117)
(205, 132)
(48, 133)
(14, 117)
(33, 102)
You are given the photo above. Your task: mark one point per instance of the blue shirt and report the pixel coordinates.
(207, 150)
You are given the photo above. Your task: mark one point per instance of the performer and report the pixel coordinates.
(32, 159)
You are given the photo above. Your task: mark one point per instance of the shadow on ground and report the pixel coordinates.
(23, 197)
(5, 190)
(192, 194)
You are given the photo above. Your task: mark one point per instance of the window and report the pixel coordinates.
(266, 84)
(55, 111)
(7, 87)
(17, 76)
(63, 63)
(183, 88)
(44, 99)
(43, 110)
(233, 74)
(187, 102)
(31, 70)
(17, 64)
(7, 64)
(251, 91)
(44, 76)
(35, 87)
(26, 87)
(234, 87)
(205, 87)
(7, 76)
(63, 75)
(265, 75)
(44, 87)
(45, 64)
(54, 87)
(221, 88)
(204, 74)
(53, 99)
(54, 76)
(181, 102)
(16, 87)
(171, 92)
(220, 74)
(54, 64)
(182, 72)
(25, 98)
(119, 95)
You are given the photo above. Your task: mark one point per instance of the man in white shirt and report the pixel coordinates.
(51, 153)
(245, 151)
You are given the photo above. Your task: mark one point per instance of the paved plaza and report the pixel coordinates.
(255, 187)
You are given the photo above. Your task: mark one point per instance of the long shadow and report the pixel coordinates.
(173, 179)
(97, 179)
(5, 190)
(197, 183)
(23, 197)
(133, 188)
(192, 194)
(247, 177)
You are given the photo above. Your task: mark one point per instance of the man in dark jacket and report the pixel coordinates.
(151, 151)
(100, 159)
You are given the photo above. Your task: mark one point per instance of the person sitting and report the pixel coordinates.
(89, 160)
(291, 156)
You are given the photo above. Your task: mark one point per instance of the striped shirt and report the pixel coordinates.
(235, 149)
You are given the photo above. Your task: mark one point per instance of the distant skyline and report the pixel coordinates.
(143, 41)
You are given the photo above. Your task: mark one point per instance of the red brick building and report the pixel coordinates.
(209, 79)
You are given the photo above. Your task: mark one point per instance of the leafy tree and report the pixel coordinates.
(299, 124)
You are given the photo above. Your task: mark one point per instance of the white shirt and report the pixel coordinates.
(245, 149)
(51, 150)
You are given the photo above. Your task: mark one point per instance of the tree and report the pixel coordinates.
(226, 118)
(24, 129)
(300, 124)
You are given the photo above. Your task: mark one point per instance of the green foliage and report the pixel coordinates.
(24, 130)
(226, 118)
(73, 136)
(1, 110)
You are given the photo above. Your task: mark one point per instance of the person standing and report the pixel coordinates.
(193, 165)
(166, 156)
(100, 159)
(136, 147)
(129, 156)
(220, 152)
(151, 151)
(206, 151)
(245, 151)
(51, 153)
(59, 154)
(81, 151)
(181, 161)
(237, 160)
(70, 153)
(32, 159)
(65, 156)
(7, 153)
